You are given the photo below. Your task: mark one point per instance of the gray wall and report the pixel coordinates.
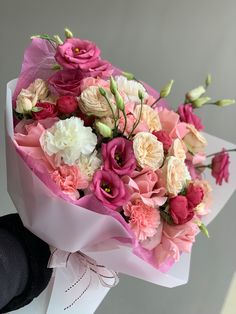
(157, 40)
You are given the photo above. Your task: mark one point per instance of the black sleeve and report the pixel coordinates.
(23, 264)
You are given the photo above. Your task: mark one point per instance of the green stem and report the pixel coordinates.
(124, 114)
(137, 122)
(156, 101)
(113, 114)
(227, 150)
(203, 166)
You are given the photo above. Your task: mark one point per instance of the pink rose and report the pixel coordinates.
(194, 195)
(67, 104)
(48, 110)
(220, 167)
(180, 210)
(109, 189)
(70, 180)
(143, 219)
(76, 53)
(163, 137)
(118, 156)
(65, 82)
(146, 186)
(187, 115)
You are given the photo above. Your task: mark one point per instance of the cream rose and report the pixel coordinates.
(148, 150)
(176, 175)
(28, 98)
(130, 88)
(91, 102)
(194, 141)
(148, 116)
(178, 149)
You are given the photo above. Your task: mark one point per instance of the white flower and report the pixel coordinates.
(148, 150)
(69, 140)
(149, 116)
(130, 88)
(89, 164)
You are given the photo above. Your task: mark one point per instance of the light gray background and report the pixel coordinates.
(157, 40)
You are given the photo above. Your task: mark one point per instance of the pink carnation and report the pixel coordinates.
(69, 179)
(91, 81)
(143, 219)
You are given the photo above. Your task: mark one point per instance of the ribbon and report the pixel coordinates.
(79, 276)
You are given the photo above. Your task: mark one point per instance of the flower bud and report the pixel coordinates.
(113, 85)
(165, 91)
(102, 91)
(201, 101)
(119, 101)
(208, 80)
(224, 102)
(140, 95)
(68, 33)
(195, 93)
(58, 39)
(203, 229)
(128, 75)
(103, 129)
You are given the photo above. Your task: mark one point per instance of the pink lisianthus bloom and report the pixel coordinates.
(70, 180)
(65, 82)
(220, 167)
(109, 189)
(175, 240)
(118, 156)
(102, 69)
(48, 110)
(76, 53)
(192, 162)
(143, 219)
(147, 186)
(187, 115)
(91, 81)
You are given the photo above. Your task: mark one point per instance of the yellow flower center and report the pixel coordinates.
(106, 187)
(77, 50)
(118, 158)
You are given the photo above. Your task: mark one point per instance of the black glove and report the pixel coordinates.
(23, 264)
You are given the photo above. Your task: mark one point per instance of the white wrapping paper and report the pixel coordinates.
(72, 228)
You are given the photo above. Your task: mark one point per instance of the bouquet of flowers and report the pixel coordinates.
(100, 166)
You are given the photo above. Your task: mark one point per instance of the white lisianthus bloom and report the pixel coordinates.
(88, 164)
(130, 88)
(69, 140)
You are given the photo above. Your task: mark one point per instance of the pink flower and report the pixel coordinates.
(220, 167)
(48, 110)
(69, 179)
(118, 156)
(163, 137)
(146, 186)
(65, 82)
(194, 195)
(102, 69)
(180, 210)
(169, 120)
(67, 104)
(91, 81)
(109, 189)
(175, 240)
(143, 219)
(76, 53)
(187, 115)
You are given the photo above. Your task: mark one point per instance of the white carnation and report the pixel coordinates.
(130, 88)
(89, 164)
(69, 140)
